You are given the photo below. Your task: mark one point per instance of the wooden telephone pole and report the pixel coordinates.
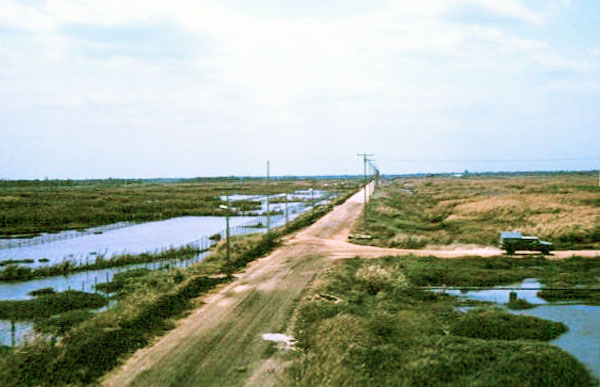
(365, 160)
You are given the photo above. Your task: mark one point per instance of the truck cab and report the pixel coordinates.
(512, 241)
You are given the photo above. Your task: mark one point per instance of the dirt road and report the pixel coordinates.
(220, 343)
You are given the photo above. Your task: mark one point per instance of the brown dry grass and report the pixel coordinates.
(561, 208)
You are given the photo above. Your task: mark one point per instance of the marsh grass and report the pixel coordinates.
(49, 304)
(588, 296)
(7, 262)
(419, 212)
(123, 280)
(42, 291)
(59, 324)
(28, 208)
(382, 331)
(519, 304)
(20, 273)
(494, 324)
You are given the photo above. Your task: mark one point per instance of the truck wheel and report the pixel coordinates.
(545, 251)
(510, 251)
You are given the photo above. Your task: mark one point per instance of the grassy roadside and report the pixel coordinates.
(366, 325)
(429, 211)
(148, 306)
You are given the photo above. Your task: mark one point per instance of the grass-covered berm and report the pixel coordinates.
(46, 305)
(431, 211)
(66, 267)
(149, 304)
(31, 207)
(367, 323)
(52, 312)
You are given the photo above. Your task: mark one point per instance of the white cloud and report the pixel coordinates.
(394, 68)
(508, 8)
(554, 61)
(19, 17)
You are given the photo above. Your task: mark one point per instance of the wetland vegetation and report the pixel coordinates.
(28, 208)
(49, 304)
(149, 303)
(21, 273)
(366, 323)
(430, 211)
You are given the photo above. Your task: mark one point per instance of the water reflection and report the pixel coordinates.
(501, 296)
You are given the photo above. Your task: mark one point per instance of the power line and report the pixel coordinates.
(488, 160)
(365, 160)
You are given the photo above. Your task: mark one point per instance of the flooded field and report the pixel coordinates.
(136, 239)
(582, 340)
(110, 240)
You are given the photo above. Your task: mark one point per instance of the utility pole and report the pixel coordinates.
(268, 215)
(227, 230)
(227, 208)
(312, 203)
(364, 156)
(287, 217)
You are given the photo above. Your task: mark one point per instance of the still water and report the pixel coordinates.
(583, 338)
(133, 239)
(136, 239)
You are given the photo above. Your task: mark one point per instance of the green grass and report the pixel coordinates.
(30, 207)
(367, 325)
(42, 291)
(519, 304)
(588, 296)
(15, 261)
(121, 281)
(61, 323)
(494, 324)
(20, 273)
(420, 212)
(49, 304)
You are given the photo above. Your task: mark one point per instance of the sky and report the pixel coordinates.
(147, 88)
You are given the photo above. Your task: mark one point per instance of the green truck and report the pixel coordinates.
(512, 241)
